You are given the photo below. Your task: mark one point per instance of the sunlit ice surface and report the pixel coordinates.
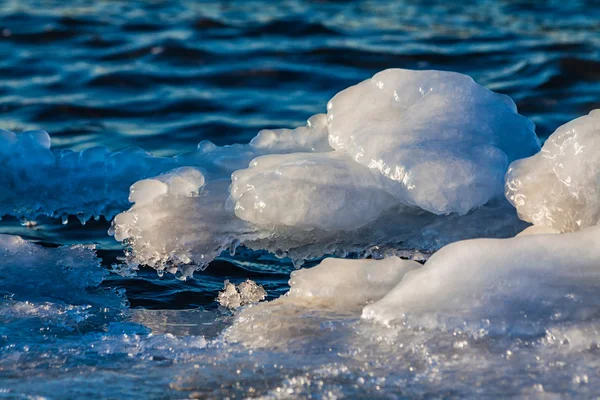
(166, 76)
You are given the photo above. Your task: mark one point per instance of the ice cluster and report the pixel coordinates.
(36, 180)
(503, 285)
(560, 186)
(442, 141)
(486, 317)
(397, 160)
(184, 216)
(247, 292)
(406, 160)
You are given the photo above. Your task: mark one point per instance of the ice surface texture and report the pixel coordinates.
(31, 272)
(442, 141)
(412, 152)
(488, 317)
(560, 186)
(521, 284)
(36, 180)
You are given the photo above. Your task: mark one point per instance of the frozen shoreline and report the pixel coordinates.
(510, 314)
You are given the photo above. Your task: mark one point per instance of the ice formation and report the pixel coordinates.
(345, 284)
(442, 141)
(334, 289)
(502, 318)
(560, 186)
(247, 292)
(412, 152)
(477, 312)
(32, 272)
(37, 180)
(326, 191)
(500, 285)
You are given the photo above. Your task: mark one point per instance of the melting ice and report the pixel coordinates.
(406, 160)
(410, 155)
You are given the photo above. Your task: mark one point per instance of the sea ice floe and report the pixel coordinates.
(560, 186)
(413, 152)
(521, 284)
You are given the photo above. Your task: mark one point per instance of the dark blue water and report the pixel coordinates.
(165, 75)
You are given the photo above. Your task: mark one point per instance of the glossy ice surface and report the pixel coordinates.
(165, 76)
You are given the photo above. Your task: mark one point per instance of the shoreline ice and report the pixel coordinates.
(415, 148)
(520, 303)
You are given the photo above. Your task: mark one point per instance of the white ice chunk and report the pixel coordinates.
(344, 284)
(321, 190)
(419, 162)
(176, 229)
(334, 289)
(310, 138)
(519, 284)
(146, 190)
(443, 141)
(560, 186)
(247, 292)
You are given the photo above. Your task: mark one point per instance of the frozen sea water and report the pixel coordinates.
(166, 76)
